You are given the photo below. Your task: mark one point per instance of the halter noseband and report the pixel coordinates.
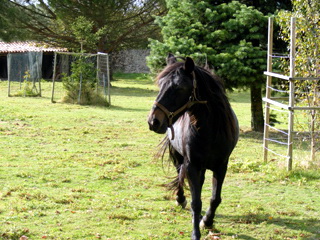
(192, 100)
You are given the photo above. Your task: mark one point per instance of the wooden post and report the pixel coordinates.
(40, 92)
(54, 76)
(109, 80)
(291, 90)
(268, 90)
(98, 73)
(9, 72)
(80, 89)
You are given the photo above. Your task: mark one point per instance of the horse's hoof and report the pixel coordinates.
(202, 225)
(183, 205)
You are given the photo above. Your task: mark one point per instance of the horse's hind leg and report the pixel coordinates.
(217, 181)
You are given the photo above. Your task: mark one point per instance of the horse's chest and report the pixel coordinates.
(199, 146)
(179, 135)
(178, 142)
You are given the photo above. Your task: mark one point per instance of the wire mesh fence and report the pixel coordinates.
(296, 92)
(24, 74)
(81, 78)
(302, 136)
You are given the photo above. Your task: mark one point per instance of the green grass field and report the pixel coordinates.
(85, 172)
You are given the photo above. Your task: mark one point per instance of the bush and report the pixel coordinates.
(28, 88)
(81, 85)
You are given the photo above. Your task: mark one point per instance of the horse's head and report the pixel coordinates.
(176, 89)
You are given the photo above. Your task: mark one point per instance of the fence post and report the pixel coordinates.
(291, 90)
(98, 73)
(54, 76)
(268, 90)
(109, 82)
(80, 89)
(9, 73)
(39, 70)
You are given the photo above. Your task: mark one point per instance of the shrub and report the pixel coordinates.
(81, 85)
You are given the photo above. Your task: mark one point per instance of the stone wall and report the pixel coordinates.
(130, 61)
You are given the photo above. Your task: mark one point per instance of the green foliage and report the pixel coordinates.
(308, 32)
(81, 85)
(307, 61)
(28, 87)
(106, 25)
(229, 36)
(83, 28)
(8, 17)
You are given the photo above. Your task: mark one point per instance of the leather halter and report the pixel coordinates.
(192, 100)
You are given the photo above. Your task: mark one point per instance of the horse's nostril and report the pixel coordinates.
(155, 124)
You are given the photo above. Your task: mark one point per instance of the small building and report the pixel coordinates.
(25, 47)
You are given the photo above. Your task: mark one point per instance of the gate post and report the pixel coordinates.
(291, 90)
(268, 91)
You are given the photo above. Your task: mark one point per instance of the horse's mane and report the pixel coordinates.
(211, 88)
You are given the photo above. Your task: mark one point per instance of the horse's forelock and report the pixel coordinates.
(169, 70)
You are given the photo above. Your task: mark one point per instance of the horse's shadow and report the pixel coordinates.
(310, 226)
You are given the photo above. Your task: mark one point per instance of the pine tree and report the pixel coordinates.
(230, 37)
(118, 24)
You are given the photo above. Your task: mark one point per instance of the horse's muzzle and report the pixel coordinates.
(157, 122)
(156, 126)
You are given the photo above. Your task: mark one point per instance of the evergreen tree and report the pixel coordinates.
(118, 24)
(230, 37)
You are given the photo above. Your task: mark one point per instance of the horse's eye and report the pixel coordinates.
(182, 87)
(176, 87)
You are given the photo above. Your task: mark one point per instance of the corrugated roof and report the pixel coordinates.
(11, 47)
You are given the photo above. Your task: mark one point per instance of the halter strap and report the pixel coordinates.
(192, 100)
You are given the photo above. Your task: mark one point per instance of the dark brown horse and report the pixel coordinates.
(202, 130)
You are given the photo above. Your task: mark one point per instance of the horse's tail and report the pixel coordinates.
(178, 181)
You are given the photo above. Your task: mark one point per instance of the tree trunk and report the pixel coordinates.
(257, 122)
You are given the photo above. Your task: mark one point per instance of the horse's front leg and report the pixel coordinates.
(217, 181)
(181, 199)
(196, 179)
(178, 183)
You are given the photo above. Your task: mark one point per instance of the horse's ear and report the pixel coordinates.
(171, 59)
(189, 65)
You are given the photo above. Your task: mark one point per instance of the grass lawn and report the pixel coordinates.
(85, 172)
